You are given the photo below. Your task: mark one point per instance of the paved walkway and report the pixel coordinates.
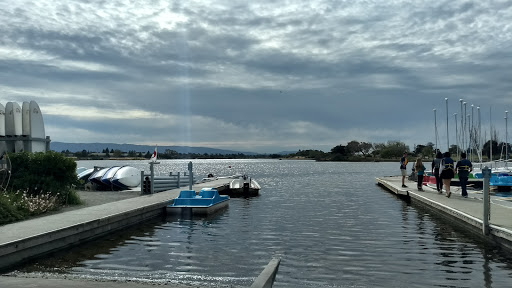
(469, 210)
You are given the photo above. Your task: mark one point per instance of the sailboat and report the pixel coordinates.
(154, 156)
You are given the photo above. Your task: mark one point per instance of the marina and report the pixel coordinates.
(354, 234)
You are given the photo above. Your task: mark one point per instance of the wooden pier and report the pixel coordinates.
(467, 212)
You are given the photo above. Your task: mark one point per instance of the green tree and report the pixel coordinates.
(365, 148)
(394, 149)
(353, 147)
(340, 149)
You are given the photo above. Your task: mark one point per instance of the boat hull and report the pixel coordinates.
(243, 187)
(207, 202)
(197, 210)
(107, 177)
(126, 177)
(96, 177)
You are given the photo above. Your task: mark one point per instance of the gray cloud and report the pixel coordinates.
(265, 75)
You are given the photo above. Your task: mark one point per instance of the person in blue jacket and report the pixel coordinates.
(420, 170)
(448, 172)
(464, 167)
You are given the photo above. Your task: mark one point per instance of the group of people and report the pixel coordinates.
(444, 170)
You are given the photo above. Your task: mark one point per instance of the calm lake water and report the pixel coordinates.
(330, 224)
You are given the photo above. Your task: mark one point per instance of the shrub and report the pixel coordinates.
(37, 173)
(8, 212)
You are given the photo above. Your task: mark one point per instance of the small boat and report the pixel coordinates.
(96, 176)
(80, 170)
(107, 177)
(207, 202)
(84, 175)
(244, 186)
(126, 177)
(210, 177)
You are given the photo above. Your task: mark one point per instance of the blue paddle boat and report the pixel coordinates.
(208, 201)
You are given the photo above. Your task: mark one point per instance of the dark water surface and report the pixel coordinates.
(330, 224)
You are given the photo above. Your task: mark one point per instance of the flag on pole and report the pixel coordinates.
(154, 156)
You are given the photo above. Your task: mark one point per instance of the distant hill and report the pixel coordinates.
(99, 147)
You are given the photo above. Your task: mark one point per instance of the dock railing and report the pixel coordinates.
(151, 184)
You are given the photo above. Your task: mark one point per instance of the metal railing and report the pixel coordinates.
(151, 184)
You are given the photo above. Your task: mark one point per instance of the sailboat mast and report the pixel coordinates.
(479, 135)
(461, 126)
(435, 126)
(447, 134)
(490, 124)
(506, 139)
(456, 133)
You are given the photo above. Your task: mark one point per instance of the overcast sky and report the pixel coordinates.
(260, 76)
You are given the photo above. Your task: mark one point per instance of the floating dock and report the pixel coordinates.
(467, 212)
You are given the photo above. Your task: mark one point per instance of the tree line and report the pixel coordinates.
(167, 154)
(352, 151)
(365, 151)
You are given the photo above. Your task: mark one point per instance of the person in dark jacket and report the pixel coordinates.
(436, 165)
(464, 167)
(448, 172)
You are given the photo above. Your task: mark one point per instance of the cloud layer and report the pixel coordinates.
(261, 76)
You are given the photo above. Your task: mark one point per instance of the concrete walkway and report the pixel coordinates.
(467, 211)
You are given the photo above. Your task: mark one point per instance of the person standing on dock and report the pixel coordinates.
(403, 168)
(436, 164)
(464, 167)
(420, 169)
(448, 172)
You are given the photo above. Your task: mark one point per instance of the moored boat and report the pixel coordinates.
(126, 177)
(107, 177)
(244, 186)
(207, 202)
(96, 176)
(84, 175)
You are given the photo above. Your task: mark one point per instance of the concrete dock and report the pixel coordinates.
(467, 212)
(25, 240)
